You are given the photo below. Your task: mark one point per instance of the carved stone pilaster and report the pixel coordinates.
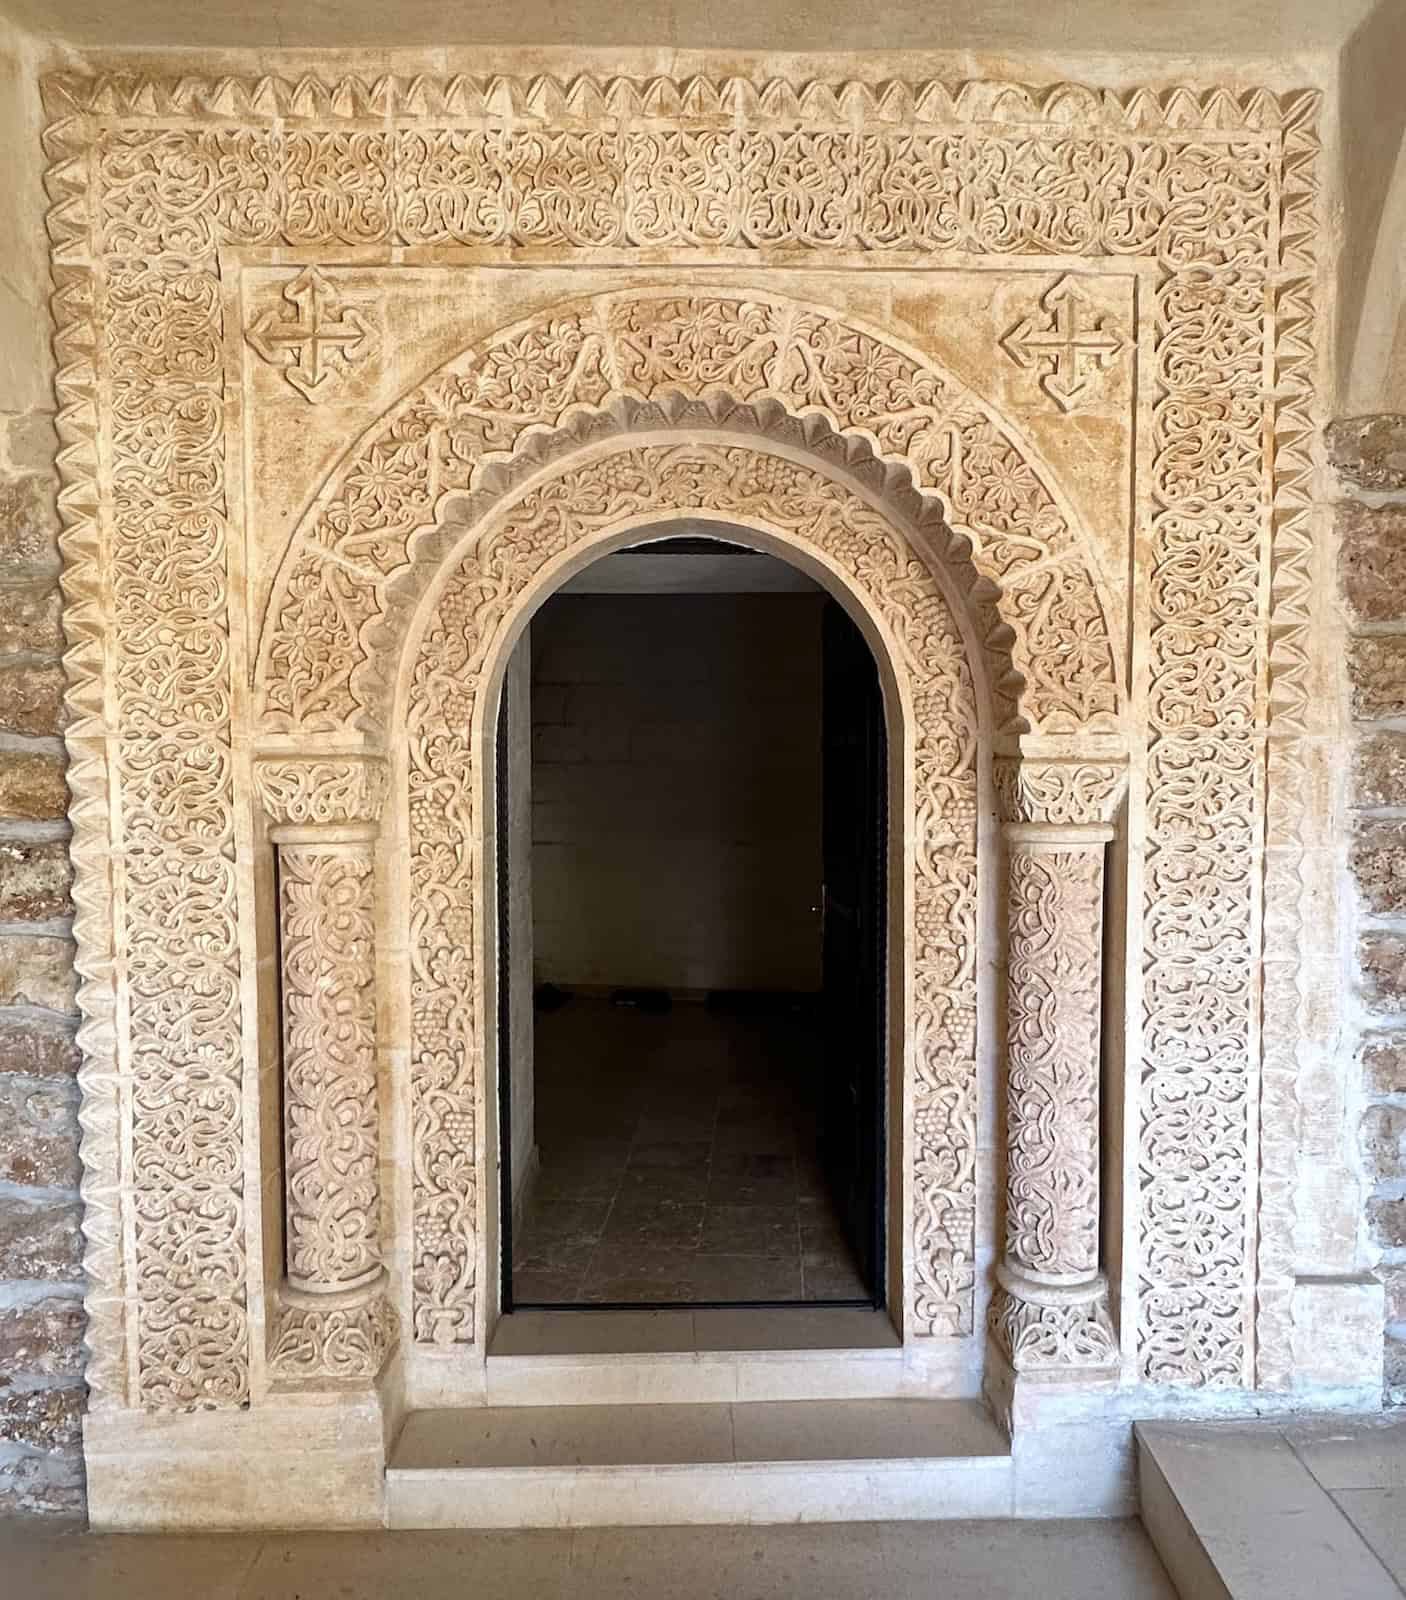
(333, 1320)
(1050, 1310)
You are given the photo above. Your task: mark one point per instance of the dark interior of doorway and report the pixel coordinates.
(759, 1066)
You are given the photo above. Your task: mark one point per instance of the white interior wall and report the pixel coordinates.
(670, 735)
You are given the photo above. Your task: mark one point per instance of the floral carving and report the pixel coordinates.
(1059, 792)
(321, 664)
(583, 501)
(331, 1118)
(338, 789)
(152, 177)
(1055, 996)
(334, 1341)
(1053, 1338)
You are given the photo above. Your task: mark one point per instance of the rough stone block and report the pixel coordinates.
(31, 618)
(1386, 1220)
(31, 698)
(1384, 1141)
(1377, 672)
(29, 525)
(35, 879)
(1372, 560)
(32, 786)
(32, 442)
(1377, 862)
(1384, 1063)
(44, 1339)
(1379, 769)
(39, 1132)
(43, 1419)
(1393, 1280)
(1370, 451)
(38, 1047)
(1381, 959)
(1394, 1392)
(42, 1483)
(41, 1239)
(38, 971)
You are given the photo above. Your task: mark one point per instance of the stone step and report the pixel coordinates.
(565, 1358)
(1236, 1514)
(640, 1465)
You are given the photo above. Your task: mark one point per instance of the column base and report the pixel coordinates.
(1053, 1328)
(345, 1336)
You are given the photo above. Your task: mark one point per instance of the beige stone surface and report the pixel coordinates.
(442, 345)
(972, 1561)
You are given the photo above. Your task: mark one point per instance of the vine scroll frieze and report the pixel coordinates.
(151, 178)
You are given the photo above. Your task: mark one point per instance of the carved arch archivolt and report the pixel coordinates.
(364, 533)
(499, 569)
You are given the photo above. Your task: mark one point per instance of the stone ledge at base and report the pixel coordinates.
(314, 1461)
(1235, 1514)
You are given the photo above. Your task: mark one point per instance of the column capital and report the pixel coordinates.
(323, 791)
(1069, 792)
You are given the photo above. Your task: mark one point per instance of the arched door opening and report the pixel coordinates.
(692, 784)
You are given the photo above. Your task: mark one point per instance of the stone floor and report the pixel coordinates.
(677, 1162)
(845, 1561)
(1299, 1509)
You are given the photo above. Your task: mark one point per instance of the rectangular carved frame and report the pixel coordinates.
(151, 177)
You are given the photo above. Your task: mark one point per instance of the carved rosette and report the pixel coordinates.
(334, 1320)
(1050, 1310)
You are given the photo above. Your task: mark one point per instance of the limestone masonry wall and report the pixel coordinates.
(1369, 454)
(41, 1314)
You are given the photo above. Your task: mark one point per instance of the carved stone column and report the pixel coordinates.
(334, 1318)
(1050, 1310)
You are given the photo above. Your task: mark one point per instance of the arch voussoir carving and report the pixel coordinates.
(723, 348)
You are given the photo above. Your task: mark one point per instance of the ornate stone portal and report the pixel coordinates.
(353, 374)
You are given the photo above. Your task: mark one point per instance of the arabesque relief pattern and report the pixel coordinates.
(320, 662)
(579, 503)
(1055, 970)
(151, 177)
(331, 1119)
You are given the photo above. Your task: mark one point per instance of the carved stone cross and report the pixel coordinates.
(322, 335)
(1072, 346)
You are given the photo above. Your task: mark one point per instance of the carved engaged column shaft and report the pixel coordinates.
(331, 1122)
(334, 1319)
(1051, 1305)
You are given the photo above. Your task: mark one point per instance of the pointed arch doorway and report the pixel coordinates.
(693, 874)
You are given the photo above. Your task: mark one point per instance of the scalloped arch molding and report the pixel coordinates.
(1141, 294)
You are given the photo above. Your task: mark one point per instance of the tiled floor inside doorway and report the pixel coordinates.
(678, 1162)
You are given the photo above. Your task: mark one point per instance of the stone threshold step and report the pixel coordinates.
(640, 1465)
(1236, 1514)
